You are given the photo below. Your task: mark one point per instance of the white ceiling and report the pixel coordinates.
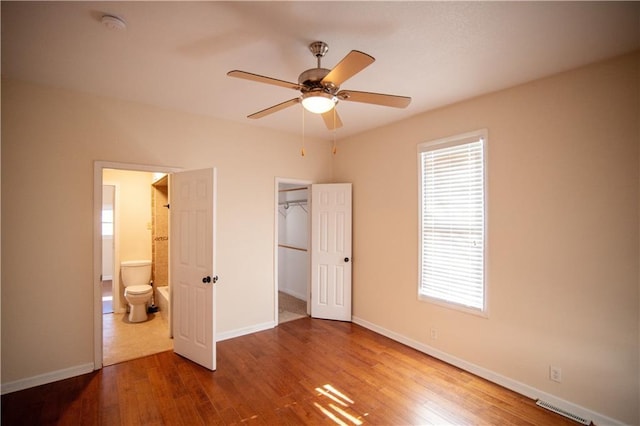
(176, 54)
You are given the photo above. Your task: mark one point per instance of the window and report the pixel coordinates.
(107, 223)
(452, 221)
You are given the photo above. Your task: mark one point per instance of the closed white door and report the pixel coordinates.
(192, 209)
(331, 251)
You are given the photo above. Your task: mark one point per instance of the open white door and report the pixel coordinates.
(192, 201)
(331, 251)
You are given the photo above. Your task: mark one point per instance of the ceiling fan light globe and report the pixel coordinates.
(318, 103)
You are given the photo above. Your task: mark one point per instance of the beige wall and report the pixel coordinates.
(50, 140)
(562, 234)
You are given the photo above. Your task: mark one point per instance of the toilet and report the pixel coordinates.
(136, 275)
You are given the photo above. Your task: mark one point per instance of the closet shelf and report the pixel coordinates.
(293, 189)
(291, 247)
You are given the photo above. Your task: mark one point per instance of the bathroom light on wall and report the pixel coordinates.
(318, 101)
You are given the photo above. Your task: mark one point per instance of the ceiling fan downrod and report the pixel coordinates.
(319, 49)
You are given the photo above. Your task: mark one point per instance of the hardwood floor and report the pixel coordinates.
(302, 372)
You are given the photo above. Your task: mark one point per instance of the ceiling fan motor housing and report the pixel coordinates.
(312, 79)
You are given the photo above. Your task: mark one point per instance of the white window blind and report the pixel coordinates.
(452, 221)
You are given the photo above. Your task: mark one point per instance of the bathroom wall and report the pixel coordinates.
(293, 230)
(160, 232)
(132, 217)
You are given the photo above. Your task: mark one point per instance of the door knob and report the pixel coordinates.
(207, 279)
(346, 259)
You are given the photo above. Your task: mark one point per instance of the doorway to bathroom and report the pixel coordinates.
(135, 222)
(192, 295)
(293, 261)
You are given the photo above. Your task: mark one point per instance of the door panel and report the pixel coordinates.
(192, 201)
(331, 251)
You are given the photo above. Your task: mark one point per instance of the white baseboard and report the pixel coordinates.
(514, 385)
(66, 373)
(45, 378)
(244, 331)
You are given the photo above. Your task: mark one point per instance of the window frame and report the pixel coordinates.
(432, 145)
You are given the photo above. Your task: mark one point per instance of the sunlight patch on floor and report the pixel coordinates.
(338, 413)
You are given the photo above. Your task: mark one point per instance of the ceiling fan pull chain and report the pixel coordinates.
(335, 149)
(302, 150)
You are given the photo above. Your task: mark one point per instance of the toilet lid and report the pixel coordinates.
(138, 289)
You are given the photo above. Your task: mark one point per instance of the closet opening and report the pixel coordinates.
(292, 249)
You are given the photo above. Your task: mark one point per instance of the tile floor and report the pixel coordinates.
(123, 340)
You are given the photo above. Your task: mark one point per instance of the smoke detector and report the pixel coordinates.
(113, 22)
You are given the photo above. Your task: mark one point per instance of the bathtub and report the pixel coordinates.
(162, 300)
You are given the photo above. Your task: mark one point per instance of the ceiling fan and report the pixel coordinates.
(320, 87)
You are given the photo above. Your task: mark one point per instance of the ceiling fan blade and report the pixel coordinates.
(350, 65)
(275, 108)
(262, 79)
(330, 117)
(374, 98)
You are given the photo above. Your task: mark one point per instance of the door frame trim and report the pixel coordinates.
(98, 167)
(278, 181)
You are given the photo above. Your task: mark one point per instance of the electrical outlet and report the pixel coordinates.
(434, 334)
(555, 374)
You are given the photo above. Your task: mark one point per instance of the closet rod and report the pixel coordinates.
(291, 247)
(293, 189)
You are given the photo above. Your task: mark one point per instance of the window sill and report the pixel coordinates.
(454, 306)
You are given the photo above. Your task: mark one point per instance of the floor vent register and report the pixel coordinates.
(562, 412)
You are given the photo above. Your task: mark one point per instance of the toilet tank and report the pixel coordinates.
(135, 272)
